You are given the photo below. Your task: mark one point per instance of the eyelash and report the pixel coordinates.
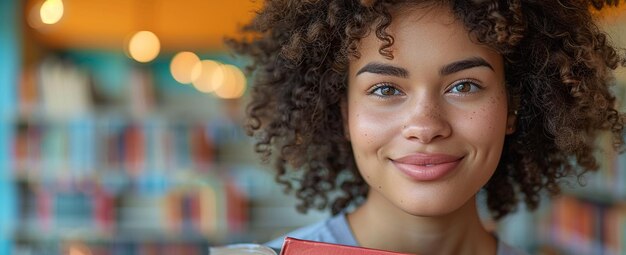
(379, 86)
(471, 83)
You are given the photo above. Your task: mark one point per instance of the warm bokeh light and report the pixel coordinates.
(51, 11)
(144, 46)
(210, 76)
(182, 66)
(234, 83)
(34, 17)
(78, 249)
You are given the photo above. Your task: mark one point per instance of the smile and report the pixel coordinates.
(426, 167)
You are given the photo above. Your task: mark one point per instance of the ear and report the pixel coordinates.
(511, 121)
(513, 104)
(344, 118)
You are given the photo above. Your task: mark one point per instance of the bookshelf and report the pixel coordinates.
(123, 169)
(102, 155)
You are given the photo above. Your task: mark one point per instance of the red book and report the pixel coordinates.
(293, 246)
(104, 209)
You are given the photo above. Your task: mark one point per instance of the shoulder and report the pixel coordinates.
(332, 230)
(506, 249)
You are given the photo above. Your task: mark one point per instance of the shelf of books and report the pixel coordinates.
(149, 165)
(117, 180)
(100, 154)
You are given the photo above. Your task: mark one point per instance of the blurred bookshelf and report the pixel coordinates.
(106, 155)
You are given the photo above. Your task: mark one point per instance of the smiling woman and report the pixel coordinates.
(396, 113)
(426, 149)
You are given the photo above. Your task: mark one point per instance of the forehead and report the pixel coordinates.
(414, 12)
(423, 34)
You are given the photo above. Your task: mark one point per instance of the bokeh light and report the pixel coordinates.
(34, 17)
(234, 83)
(51, 11)
(210, 76)
(78, 249)
(144, 46)
(182, 66)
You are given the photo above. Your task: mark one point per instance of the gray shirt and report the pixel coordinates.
(336, 230)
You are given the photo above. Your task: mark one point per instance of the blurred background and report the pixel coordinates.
(121, 133)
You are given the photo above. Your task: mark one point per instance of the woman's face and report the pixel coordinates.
(427, 127)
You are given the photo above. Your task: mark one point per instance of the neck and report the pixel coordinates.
(381, 225)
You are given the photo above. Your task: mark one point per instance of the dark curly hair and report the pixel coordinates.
(557, 67)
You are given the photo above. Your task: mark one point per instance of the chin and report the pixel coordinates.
(436, 208)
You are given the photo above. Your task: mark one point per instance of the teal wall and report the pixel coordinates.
(9, 69)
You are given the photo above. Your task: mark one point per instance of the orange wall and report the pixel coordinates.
(180, 25)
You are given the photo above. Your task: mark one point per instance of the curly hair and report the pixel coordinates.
(557, 69)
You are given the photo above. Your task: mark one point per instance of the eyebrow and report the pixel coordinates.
(386, 69)
(463, 65)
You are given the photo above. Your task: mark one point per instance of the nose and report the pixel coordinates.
(426, 123)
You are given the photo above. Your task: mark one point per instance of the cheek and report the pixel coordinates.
(365, 126)
(363, 132)
(370, 131)
(372, 126)
(367, 136)
(484, 123)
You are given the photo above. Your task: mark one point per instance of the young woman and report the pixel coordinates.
(394, 114)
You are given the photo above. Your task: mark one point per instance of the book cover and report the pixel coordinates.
(293, 246)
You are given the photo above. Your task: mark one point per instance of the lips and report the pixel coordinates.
(427, 167)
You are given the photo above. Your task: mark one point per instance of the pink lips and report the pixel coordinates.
(427, 167)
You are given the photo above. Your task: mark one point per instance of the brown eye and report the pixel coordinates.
(464, 87)
(386, 91)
